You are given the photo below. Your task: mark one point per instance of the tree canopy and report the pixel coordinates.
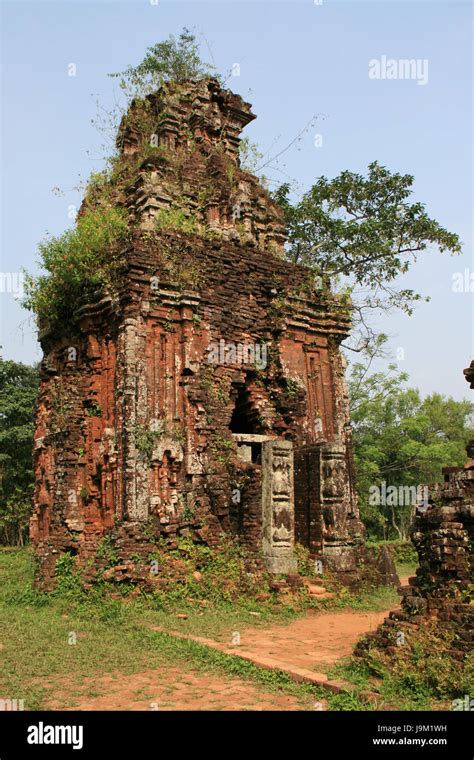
(363, 232)
(401, 439)
(18, 391)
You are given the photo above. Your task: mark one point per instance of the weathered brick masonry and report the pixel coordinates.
(203, 394)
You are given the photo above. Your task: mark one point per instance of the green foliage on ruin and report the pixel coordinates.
(250, 157)
(146, 439)
(174, 218)
(420, 675)
(107, 551)
(172, 60)
(293, 388)
(61, 403)
(82, 263)
(94, 410)
(147, 436)
(78, 263)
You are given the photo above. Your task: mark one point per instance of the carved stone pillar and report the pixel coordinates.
(326, 518)
(278, 506)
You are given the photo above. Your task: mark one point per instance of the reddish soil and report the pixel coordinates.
(311, 643)
(169, 688)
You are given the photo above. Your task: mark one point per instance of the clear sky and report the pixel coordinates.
(297, 59)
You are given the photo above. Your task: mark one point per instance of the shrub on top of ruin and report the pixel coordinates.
(102, 187)
(175, 60)
(78, 263)
(250, 158)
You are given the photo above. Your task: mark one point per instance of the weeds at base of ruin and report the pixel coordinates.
(421, 675)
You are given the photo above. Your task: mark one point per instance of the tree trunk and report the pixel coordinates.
(394, 524)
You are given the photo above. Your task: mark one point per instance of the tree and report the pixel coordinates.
(170, 60)
(363, 233)
(402, 441)
(18, 391)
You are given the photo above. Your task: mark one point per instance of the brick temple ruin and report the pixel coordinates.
(204, 394)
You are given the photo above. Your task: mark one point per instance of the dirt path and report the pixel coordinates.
(312, 643)
(169, 688)
(315, 641)
(305, 648)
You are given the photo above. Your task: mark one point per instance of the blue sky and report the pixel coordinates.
(297, 59)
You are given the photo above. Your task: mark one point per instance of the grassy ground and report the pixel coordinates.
(406, 569)
(35, 631)
(420, 676)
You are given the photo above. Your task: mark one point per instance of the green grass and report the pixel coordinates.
(111, 625)
(35, 629)
(214, 621)
(421, 676)
(406, 569)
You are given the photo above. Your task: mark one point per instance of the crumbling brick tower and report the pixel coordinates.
(202, 393)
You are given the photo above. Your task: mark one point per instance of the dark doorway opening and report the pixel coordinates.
(245, 418)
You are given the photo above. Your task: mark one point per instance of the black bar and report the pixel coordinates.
(158, 734)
